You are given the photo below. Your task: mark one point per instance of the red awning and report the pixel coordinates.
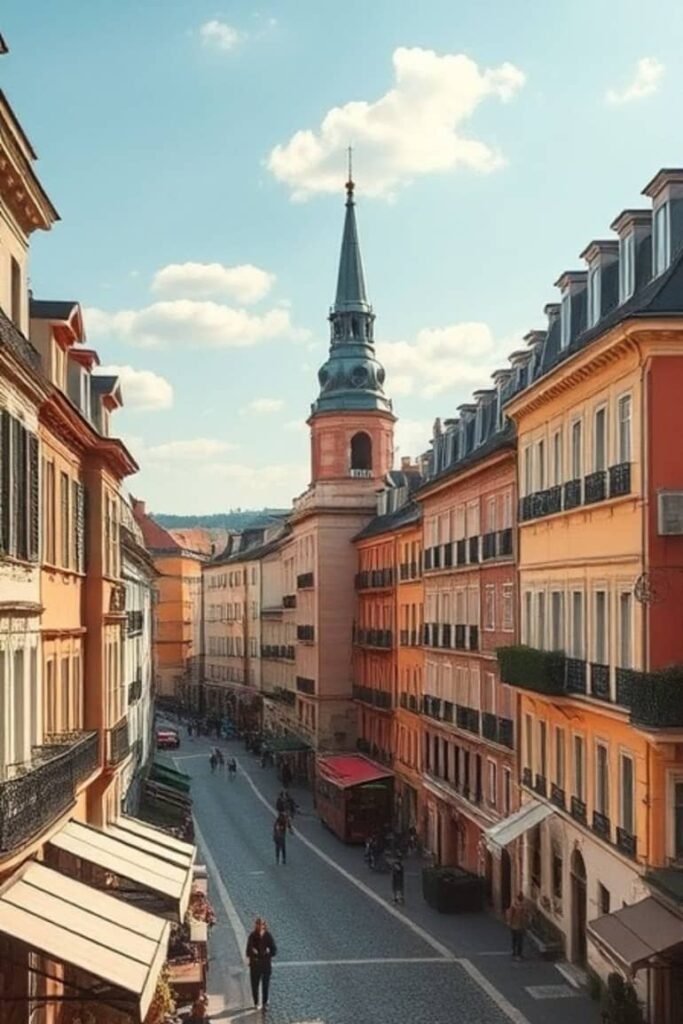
(345, 770)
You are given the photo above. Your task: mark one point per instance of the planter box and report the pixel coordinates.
(452, 890)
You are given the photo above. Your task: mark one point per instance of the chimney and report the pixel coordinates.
(139, 508)
(406, 463)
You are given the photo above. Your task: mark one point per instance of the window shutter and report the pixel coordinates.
(5, 462)
(80, 528)
(34, 498)
(20, 491)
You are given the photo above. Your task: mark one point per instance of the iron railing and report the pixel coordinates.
(304, 581)
(118, 744)
(620, 479)
(305, 685)
(595, 487)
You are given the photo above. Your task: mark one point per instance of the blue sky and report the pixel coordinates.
(201, 232)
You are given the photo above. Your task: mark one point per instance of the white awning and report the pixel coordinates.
(636, 934)
(504, 832)
(98, 847)
(72, 923)
(151, 840)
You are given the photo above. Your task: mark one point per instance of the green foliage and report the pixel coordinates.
(532, 669)
(657, 699)
(620, 1003)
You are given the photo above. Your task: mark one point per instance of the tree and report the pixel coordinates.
(620, 1003)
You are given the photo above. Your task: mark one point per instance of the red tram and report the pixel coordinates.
(354, 795)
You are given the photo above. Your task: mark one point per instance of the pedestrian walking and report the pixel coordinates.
(261, 949)
(189, 729)
(397, 880)
(281, 803)
(220, 760)
(518, 920)
(213, 761)
(280, 837)
(286, 775)
(232, 769)
(291, 807)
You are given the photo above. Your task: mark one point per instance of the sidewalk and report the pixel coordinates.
(534, 986)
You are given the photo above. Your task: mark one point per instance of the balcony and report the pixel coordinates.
(557, 796)
(578, 810)
(289, 601)
(305, 685)
(376, 579)
(600, 688)
(290, 654)
(448, 712)
(305, 581)
(595, 487)
(506, 733)
(446, 635)
(306, 634)
(620, 480)
(467, 719)
(448, 556)
(488, 546)
(655, 699)
(473, 549)
(428, 559)
(118, 746)
(526, 510)
(41, 790)
(541, 785)
(460, 637)
(626, 842)
(436, 557)
(576, 675)
(281, 695)
(527, 779)
(474, 638)
(532, 669)
(572, 494)
(461, 552)
(504, 543)
(602, 826)
(412, 703)
(489, 726)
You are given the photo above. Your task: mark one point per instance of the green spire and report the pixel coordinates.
(351, 294)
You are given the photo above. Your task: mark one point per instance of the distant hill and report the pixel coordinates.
(236, 519)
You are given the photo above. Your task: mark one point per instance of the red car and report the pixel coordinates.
(167, 739)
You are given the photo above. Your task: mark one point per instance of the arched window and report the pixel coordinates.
(361, 451)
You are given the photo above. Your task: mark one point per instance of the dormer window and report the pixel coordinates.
(661, 241)
(565, 320)
(593, 295)
(627, 267)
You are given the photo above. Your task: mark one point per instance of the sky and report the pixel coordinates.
(196, 152)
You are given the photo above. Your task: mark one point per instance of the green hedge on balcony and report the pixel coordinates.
(656, 698)
(532, 669)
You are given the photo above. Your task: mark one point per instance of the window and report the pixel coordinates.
(528, 470)
(19, 490)
(540, 619)
(493, 783)
(491, 515)
(678, 820)
(577, 624)
(604, 899)
(542, 749)
(490, 607)
(661, 239)
(529, 740)
(602, 780)
(557, 620)
(625, 629)
(627, 277)
(15, 285)
(507, 791)
(557, 875)
(557, 458)
(624, 428)
(565, 320)
(600, 440)
(535, 858)
(559, 757)
(528, 619)
(626, 785)
(577, 450)
(601, 628)
(507, 511)
(361, 452)
(579, 768)
(65, 524)
(540, 465)
(593, 296)
(507, 609)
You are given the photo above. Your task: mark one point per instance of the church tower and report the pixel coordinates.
(352, 423)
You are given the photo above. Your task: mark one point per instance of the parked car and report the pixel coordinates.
(168, 739)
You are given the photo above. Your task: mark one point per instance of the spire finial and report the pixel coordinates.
(350, 184)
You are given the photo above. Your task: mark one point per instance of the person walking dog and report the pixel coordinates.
(518, 920)
(261, 949)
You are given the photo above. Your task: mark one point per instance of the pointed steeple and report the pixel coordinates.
(352, 378)
(351, 293)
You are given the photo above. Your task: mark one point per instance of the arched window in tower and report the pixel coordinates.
(361, 454)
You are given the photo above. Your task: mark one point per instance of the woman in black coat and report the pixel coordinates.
(261, 949)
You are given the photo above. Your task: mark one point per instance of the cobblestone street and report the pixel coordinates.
(345, 953)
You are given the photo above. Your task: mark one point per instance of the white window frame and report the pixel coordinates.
(492, 783)
(624, 452)
(540, 465)
(528, 470)
(528, 618)
(661, 239)
(508, 602)
(565, 319)
(621, 594)
(557, 477)
(579, 791)
(490, 607)
(541, 619)
(577, 456)
(560, 776)
(601, 410)
(627, 264)
(594, 294)
(561, 637)
(578, 650)
(605, 808)
(626, 755)
(601, 651)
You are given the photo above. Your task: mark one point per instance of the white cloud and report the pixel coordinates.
(219, 35)
(245, 283)
(198, 449)
(296, 426)
(263, 406)
(646, 80)
(413, 129)
(411, 438)
(143, 390)
(192, 324)
(458, 357)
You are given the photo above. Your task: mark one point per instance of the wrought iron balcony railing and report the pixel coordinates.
(304, 581)
(305, 685)
(305, 633)
(474, 638)
(620, 479)
(600, 688)
(557, 795)
(289, 601)
(541, 785)
(488, 546)
(506, 733)
(118, 744)
(38, 792)
(576, 675)
(461, 552)
(504, 543)
(572, 494)
(473, 549)
(595, 487)
(527, 777)
(626, 842)
(578, 810)
(602, 825)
